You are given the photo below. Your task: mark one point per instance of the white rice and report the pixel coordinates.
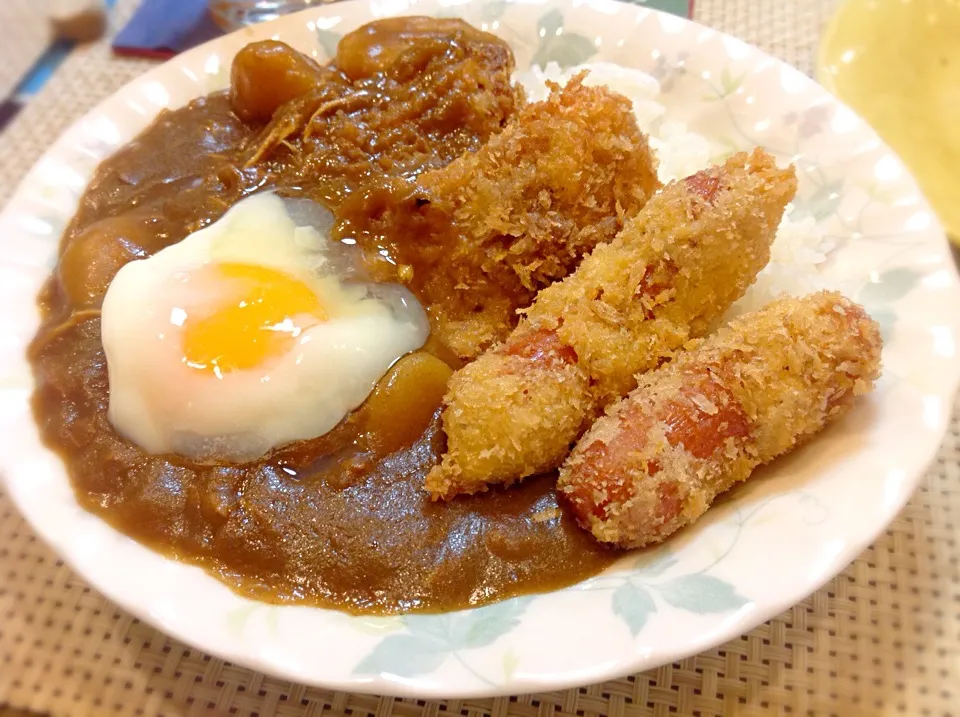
(798, 248)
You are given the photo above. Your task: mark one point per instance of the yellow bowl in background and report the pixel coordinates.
(897, 63)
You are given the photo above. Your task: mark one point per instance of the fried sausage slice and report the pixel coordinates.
(673, 271)
(697, 426)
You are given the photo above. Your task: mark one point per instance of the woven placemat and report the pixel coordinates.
(881, 638)
(25, 34)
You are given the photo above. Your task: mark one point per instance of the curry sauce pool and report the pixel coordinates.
(340, 521)
(330, 522)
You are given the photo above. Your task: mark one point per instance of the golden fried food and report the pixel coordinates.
(339, 521)
(673, 271)
(515, 215)
(704, 422)
(561, 178)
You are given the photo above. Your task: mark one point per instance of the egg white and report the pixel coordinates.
(163, 405)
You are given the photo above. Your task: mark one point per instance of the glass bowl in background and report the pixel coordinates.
(897, 63)
(231, 15)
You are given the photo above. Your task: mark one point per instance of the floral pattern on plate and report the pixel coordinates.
(763, 548)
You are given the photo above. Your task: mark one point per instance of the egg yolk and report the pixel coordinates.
(258, 316)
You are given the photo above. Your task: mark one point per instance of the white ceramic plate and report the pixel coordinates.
(751, 558)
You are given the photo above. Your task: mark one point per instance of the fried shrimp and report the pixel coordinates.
(671, 273)
(704, 422)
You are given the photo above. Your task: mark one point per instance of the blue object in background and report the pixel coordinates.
(162, 28)
(37, 77)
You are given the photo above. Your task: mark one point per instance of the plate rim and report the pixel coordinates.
(386, 684)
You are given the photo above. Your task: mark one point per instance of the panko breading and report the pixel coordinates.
(561, 178)
(523, 210)
(704, 422)
(671, 273)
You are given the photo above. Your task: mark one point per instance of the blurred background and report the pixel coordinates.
(65, 650)
(894, 61)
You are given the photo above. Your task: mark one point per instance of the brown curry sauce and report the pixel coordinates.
(340, 521)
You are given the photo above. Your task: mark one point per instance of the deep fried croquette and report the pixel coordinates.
(673, 271)
(520, 212)
(562, 177)
(704, 422)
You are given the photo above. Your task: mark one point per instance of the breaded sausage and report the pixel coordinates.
(562, 177)
(676, 268)
(704, 422)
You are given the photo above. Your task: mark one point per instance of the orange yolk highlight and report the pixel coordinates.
(255, 319)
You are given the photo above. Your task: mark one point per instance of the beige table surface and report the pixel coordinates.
(25, 34)
(883, 638)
